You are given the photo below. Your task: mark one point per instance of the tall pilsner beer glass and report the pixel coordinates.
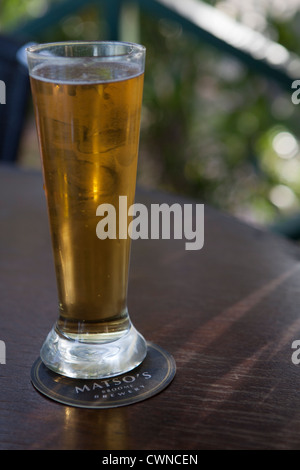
(87, 98)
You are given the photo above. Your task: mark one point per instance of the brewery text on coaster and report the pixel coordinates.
(151, 377)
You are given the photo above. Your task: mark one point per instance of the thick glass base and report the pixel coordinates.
(95, 358)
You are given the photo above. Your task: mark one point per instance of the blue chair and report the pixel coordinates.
(14, 96)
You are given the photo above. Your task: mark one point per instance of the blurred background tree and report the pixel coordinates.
(211, 128)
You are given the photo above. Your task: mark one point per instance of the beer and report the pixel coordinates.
(87, 98)
(88, 119)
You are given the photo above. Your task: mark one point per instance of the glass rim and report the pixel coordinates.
(37, 50)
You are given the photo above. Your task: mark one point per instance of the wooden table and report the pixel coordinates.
(227, 313)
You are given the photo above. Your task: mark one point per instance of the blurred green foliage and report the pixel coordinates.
(211, 123)
(211, 128)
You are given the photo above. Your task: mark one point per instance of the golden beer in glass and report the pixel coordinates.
(87, 98)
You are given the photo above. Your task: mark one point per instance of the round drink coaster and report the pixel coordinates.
(149, 378)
